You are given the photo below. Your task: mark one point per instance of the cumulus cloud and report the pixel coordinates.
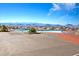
(61, 6)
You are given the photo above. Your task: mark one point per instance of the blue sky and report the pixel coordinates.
(50, 13)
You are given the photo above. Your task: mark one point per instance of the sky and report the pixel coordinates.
(48, 13)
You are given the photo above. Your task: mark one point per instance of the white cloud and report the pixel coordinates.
(49, 14)
(69, 6)
(61, 6)
(55, 7)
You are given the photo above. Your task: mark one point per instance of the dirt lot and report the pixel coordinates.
(23, 44)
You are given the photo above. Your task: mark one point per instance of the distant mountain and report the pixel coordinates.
(38, 24)
(28, 24)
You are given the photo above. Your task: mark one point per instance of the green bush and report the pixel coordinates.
(32, 30)
(3, 28)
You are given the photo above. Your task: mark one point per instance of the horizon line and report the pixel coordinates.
(39, 23)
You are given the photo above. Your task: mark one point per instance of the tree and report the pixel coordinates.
(4, 28)
(32, 30)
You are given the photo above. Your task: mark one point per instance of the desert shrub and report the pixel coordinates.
(3, 28)
(77, 32)
(32, 30)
